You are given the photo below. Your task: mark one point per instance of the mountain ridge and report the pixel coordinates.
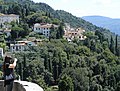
(109, 23)
(62, 15)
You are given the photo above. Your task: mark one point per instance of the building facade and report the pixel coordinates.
(17, 47)
(44, 28)
(71, 33)
(7, 19)
(1, 52)
(21, 46)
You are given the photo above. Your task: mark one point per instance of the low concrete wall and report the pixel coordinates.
(22, 86)
(18, 87)
(1, 86)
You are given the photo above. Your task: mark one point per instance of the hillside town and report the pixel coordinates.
(45, 49)
(40, 28)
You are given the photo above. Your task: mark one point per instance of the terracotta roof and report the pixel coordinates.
(44, 25)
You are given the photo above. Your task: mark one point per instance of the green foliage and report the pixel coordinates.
(80, 78)
(108, 56)
(112, 45)
(65, 83)
(16, 32)
(57, 33)
(92, 64)
(19, 30)
(83, 51)
(88, 69)
(3, 45)
(36, 35)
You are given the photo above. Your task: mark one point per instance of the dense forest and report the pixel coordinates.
(73, 66)
(55, 64)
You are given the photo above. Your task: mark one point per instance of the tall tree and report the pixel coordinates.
(46, 61)
(116, 45)
(55, 68)
(52, 33)
(24, 67)
(112, 47)
(16, 32)
(60, 32)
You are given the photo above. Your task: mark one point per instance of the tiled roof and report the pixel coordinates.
(44, 25)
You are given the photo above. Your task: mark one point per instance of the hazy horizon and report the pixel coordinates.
(107, 8)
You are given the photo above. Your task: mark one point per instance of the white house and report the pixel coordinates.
(17, 47)
(44, 28)
(21, 46)
(5, 18)
(1, 52)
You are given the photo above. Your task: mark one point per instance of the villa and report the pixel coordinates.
(21, 46)
(5, 18)
(44, 28)
(71, 33)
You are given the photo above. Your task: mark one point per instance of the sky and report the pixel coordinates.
(79, 8)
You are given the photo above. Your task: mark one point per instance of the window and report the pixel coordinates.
(16, 48)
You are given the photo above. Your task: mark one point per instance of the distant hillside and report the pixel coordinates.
(79, 22)
(112, 24)
(31, 7)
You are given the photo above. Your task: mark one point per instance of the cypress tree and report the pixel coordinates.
(55, 68)
(116, 45)
(112, 47)
(24, 67)
(61, 31)
(46, 62)
(50, 65)
(20, 71)
(60, 65)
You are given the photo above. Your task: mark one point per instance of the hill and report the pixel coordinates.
(109, 23)
(92, 64)
(25, 8)
(79, 22)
